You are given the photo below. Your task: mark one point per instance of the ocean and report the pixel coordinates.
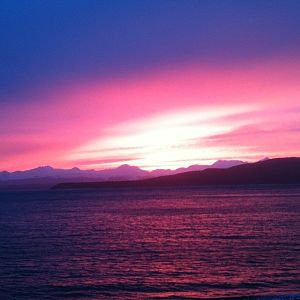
(194, 243)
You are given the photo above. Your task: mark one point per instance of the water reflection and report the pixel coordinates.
(150, 244)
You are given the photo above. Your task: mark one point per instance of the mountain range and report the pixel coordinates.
(270, 171)
(47, 175)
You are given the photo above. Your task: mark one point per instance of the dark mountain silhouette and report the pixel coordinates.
(47, 176)
(271, 171)
(218, 164)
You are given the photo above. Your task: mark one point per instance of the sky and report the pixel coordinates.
(155, 84)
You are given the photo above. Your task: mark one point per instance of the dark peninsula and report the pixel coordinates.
(271, 171)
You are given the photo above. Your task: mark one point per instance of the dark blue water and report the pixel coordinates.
(150, 244)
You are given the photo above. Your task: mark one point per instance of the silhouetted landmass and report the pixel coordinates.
(272, 171)
(123, 172)
(45, 177)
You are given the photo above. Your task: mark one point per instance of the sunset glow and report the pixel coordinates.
(165, 120)
(149, 149)
(164, 115)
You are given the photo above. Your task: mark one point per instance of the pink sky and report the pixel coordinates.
(164, 118)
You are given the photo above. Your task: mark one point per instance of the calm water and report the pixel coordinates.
(150, 244)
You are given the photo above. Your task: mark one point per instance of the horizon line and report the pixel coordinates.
(141, 168)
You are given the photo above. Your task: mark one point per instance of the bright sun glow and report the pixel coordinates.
(168, 140)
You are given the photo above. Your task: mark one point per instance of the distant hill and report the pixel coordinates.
(222, 164)
(123, 172)
(47, 176)
(270, 171)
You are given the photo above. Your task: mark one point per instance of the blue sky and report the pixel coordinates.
(44, 42)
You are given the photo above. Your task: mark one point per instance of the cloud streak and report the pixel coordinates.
(165, 140)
